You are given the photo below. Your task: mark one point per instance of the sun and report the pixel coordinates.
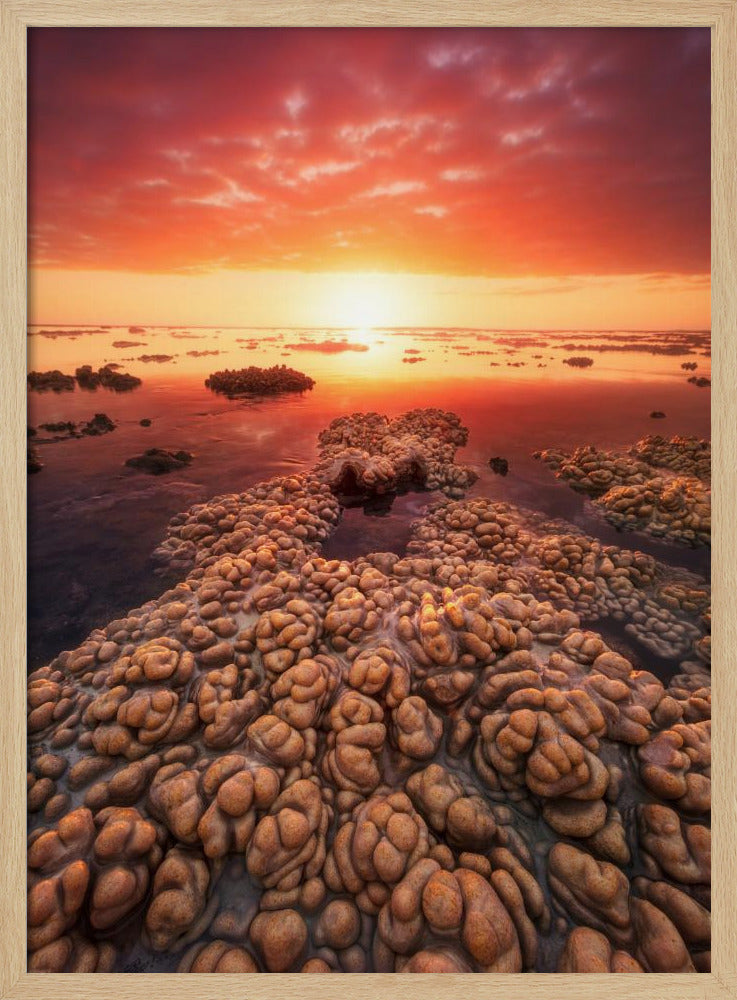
(362, 302)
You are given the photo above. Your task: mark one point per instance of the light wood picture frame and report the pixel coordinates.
(16, 16)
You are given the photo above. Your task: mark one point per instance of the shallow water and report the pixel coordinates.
(93, 522)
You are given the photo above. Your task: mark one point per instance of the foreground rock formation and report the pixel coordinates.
(417, 763)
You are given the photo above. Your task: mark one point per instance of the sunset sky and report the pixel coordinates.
(551, 178)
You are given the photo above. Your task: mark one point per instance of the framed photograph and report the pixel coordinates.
(359, 579)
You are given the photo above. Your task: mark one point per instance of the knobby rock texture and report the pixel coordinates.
(429, 762)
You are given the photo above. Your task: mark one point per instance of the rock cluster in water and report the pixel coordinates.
(660, 486)
(62, 430)
(108, 376)
(423, 763)
(258, 381)
(54, 380)
(86, 377)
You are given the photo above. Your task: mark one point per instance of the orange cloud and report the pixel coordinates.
(490, 152)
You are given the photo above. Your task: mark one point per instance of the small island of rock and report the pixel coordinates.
(258, 381)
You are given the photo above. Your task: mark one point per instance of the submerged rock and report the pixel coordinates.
(100, 424)
(157, 461)
(64, 427)
(499, 465)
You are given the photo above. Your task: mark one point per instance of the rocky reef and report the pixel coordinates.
(258, 381)
(405, 763)
(660, 486)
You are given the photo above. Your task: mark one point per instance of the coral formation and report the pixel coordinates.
(660, 486)
(403, 763)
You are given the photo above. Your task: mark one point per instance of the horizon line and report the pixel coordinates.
(434, 326)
